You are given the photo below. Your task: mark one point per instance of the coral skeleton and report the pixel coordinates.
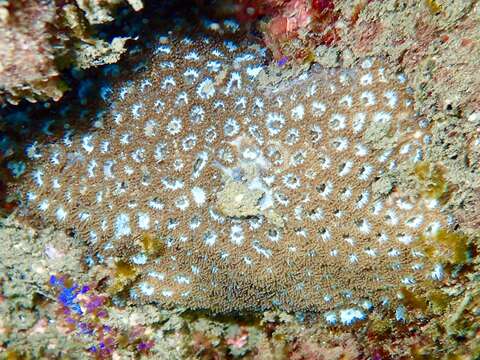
(252, 196)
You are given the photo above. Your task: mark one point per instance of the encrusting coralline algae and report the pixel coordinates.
(226, 195)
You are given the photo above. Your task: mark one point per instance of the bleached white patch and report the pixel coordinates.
(363, 199)
(55, 158)
(382, 117)
(235, 82)
(122, 226)
(182, 280)
(391, 217)
(189, 142)
(168, 83)
(210, 238)
(368, 98)
(346, 100)
(231, 25)
(174, 126)
(146, 289)
(405, 238)
(172, 184)
(408, 281)
(192, 55)
(163, 49)
(351, 316)
(367, 63)
(414, 222)
(199, 196)
(125, 138)
(438, 273)
(358, 122)
(275, 123)
(365, 172)
(291, 181)
(392, 98)
(156, 275)
(364, 226)
(330, 318)
(317, 214)
(340, 144)
(182, 203)
(167, 293)
(261, 250)
(231, 127)
(43, 205)
(393, 253)
(84, 216)
(345, 168)
(37, 176)
(298, 112)
(318, 108)
(191, 75)
(139, 259)
(366, 79)
(206, 89)
(253, 71)
(32, 151)
(371, 252)
(135, 110)
(337, 122)
(60, 214)
(92, 165)
(160, 151)
(143, 221)
(214, 65)
(326, 189)
(236, 234)
(87, 143)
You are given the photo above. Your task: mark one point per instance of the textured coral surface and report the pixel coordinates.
(254, 197)
(436, 317)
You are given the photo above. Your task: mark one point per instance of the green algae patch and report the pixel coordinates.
(446, 246)
(152, 245)
(434, 7)
(124, 274)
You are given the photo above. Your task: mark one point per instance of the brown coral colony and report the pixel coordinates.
(257, 196)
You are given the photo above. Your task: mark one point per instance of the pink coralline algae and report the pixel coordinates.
(251, 197)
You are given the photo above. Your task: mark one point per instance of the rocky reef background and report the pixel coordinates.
(436, 44)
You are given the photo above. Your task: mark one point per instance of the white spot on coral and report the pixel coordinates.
(122, 226)
(210, 238)
(174, 126)
(298, 112)
(231, 127)
(143, 221)
(318, 108)
(275, 123)
(351, 316)
(199, 196)
(206, 89)
(236, 234)
(146, 289)
(368, 98)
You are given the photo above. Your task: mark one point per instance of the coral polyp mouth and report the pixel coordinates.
(259, 197)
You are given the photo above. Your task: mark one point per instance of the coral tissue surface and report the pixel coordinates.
(229, 195)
